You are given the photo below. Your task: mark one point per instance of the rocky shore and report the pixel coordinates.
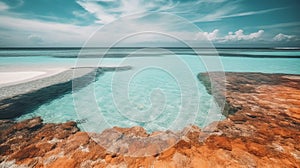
(262, 129)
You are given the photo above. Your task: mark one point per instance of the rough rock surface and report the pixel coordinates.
(263, 131)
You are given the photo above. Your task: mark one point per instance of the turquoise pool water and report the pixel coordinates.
(107, 113)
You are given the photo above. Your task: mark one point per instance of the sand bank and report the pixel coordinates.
(16, 76)
(25, 95)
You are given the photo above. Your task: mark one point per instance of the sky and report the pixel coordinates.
(224, 23)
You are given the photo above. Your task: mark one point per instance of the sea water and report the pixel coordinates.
(141, 86)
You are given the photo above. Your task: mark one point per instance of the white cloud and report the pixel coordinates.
(108, 10)
(111, 10)
(116, 9)
(17, 3)
(24, 31)
(98, 11)
(252, 13)
(210, 1)
(207, 35)
(3, 6)
(35, 38)
(104, 0)
(236, 36)
(279, 25)
(217, 15)
(80, 14)
(128, 7)
(284, 37)
(213, 10)
(228, 10)
(239, 35)
(20, 32)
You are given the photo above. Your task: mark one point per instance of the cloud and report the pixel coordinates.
(228, 10)
(3, 6)
(80, 14)
(280, 25)
(239, 35)
(104, 0)
(252, 13)
(22, 32)
(18, 31)
(205, 10)
(196, 11)
(207, 35)
(236, 36)
(35, 39)
(217, 15)
(210, 1)
(284, 37)
(108, 11)
(98, 11)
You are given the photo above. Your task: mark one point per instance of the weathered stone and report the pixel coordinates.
(217, 142)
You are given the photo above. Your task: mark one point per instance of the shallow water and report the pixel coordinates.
(138, 98)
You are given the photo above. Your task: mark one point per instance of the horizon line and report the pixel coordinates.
(52, 47)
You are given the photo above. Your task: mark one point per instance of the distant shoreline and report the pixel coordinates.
(117, 52)
(72, 48)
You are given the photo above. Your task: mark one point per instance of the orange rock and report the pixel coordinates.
(108, 158)
(257, 149)
(168, 153)
(219, 142)
(27, 152)
(262, 130)
(63, 163)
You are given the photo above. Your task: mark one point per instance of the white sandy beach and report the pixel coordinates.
(16, 76)
(9, 77)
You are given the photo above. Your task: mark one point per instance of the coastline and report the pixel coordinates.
(263, 130)
(11, 77)
(25, 95)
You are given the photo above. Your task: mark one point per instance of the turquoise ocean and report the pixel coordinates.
(63, 109)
